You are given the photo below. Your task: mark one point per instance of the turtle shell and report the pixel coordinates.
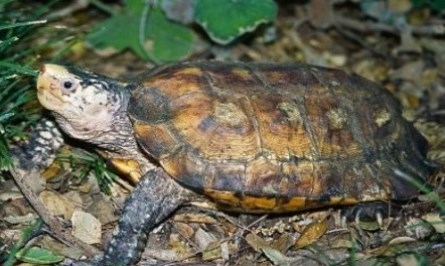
(277, 138)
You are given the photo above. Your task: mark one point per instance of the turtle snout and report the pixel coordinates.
(49, 76)
(48, 91)
(43, 81)
(42, 69)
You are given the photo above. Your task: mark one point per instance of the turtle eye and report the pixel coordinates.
(68, 85)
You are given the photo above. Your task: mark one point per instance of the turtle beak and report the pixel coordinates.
(42, 81)
(48, 90)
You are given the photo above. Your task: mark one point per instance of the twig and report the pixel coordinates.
(372, 27)
(70, 9)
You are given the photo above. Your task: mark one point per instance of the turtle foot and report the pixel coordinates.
(369, 211)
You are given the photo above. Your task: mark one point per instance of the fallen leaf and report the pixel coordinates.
(409, 259)
(185, 230)
(162, 254)
(194, 218)
(401, 240)
(57, 204)
(418, 228)
(342, 243)
(441, 259)
(260, 245)
(22, 219)
(311, 233)
(177, 245)
(411, 71)
(225, 251)
(203, 238)
(321, 14)
(38, 256)
(10, 195)
(436, 221)
(212, 252)
(86, 227)
(102, 208)
(209, 244)
(256, 242)
(369, 225)
(284, 242)
(275, 256)
(399, 6)
(408, 43)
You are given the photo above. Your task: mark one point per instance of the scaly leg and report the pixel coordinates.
(153, 200)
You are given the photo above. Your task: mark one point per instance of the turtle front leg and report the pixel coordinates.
(153, 200)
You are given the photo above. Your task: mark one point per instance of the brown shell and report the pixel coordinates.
(264, 137)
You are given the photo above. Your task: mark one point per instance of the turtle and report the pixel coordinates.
(250, 137)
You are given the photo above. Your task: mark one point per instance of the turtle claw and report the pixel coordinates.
(343, 221)
(357, 216)
(366, 211)
(379, 218)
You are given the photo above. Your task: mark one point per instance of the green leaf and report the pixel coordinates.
(134, 6)
(224, 20)
(166, 40)
(38, 256)
(163, 40)
(28, 233)
(437, 5)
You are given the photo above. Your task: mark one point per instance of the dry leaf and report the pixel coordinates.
(368, 225)
(441, 259)
(275, 256)
(209, 244)
(401, 240)
(436, 221)
(399, 6)
(411, 71)
(409, 259)
(342, 243)
(225, 251)
(10, 195)
(185, 230)
(311, 233)
(256, 242)
(102, 208)
(203, 238)
(212, 252)
(418, 228)
(321, 14)
(163, 254)
(20, 219)
(57, 204)
(86, 227)
(259, 244)
(180, 247)
(194, 218)
(284, 242)
(408, 42)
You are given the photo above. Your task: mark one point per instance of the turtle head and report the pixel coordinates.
(85, 104)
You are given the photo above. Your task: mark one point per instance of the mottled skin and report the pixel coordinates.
(40, 148)
(251, 137)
